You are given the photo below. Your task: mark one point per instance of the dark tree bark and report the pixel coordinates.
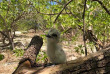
(29, 57)
(84, 28)
(96, 63)
(8, 35)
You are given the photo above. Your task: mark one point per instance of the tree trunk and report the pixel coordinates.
(96, 63)
(7, 35)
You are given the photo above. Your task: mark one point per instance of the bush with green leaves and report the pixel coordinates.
(79, 49)
(18, 52)
(41, 57)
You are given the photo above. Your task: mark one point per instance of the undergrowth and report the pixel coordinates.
(39, 59)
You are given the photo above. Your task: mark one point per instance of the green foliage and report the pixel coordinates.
(95, 15)
(26, 14)
(79, 49)
(91, 46)
(43, 36)
(41, 57)
(18, 52)
(1, 57)
(32, 20)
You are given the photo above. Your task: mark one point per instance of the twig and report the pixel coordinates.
(62, 10)
(18, 18)
(84, 39)
(52, 13)
(5, 45)
(4, 34)
(103, 6)
(4, 22)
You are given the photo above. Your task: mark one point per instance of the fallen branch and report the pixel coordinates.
(29, 57)
(6, 45)
(98, 62)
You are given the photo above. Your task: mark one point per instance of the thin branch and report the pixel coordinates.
(71, 12)
(62, 10)
(52, 13)
(103, 6)
(4, 34)
(5, 45)
(6, 37)
(16, 19)
(84, 39)
(3, 20)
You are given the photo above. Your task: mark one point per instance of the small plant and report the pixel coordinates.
(1, 57)
(79, 49)
(74, 38)
(91, 46)
(41, 57)
(43, 36)
(18, 52)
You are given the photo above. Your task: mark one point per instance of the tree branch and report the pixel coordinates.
(84, 39)
(95, 63)
(62, 10)
(4, 34)
(16, 19)
(103, 6)
(6, 45)
(3, 20)
(52, 13)
(31, 53)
